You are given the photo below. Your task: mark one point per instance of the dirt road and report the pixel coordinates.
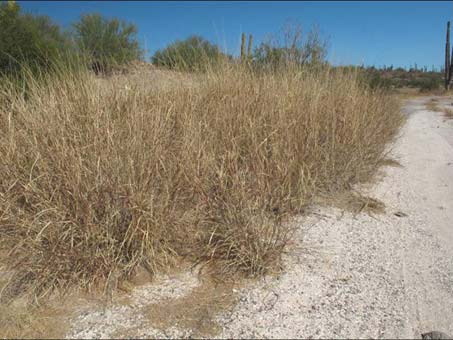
(354, 276)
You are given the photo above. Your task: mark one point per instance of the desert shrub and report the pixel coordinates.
(427, 84)
(293, 48)
(397, 78)
(96, 179)
(192, 54)
(374, 79)
(107, 42)
(30, 40)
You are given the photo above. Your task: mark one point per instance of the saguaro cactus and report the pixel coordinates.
(249, 48)
(447, 58)
(243, 47)
(450, 66)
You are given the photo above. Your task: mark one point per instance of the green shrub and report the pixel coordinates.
(376, 80)
(28, 39)
(106, 42)
(192, 54)
(294, 48)
(426, 84)
(265, 53)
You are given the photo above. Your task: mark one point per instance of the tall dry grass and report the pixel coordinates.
(97, 178)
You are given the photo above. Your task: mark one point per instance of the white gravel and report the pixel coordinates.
(346, 276)
(96, 322)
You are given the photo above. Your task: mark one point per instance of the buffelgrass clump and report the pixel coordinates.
(432, 105)
(96, 181)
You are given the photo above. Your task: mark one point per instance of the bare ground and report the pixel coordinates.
(346, 275)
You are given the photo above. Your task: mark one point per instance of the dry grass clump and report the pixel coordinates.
(448, 112)
(97, 178)
(20, 320)
(196, 311)
(432, 105)
(354, 202)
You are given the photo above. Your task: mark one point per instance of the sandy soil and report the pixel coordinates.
(348, 276)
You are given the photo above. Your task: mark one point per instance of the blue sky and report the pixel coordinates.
(374, 33)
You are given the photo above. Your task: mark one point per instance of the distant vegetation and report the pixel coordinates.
(195, 53)
(293, 48)
(192, 54)
(28, 39)
(102, 44)
(36, 42)
(390, 78)
(106, 42)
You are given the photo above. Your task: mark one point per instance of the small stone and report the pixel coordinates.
(400, 214)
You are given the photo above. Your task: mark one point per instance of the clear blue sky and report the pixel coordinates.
(375, 33)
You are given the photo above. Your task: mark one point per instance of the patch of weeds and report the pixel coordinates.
(433, 105)
(355, 203)
(391, 162)
(197, 311)
(19, 320)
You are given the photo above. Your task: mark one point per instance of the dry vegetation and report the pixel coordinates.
(196, 311)
(433, 105)
(98, 178)
(412, 93)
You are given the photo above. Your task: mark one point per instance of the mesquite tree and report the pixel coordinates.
(107, 41)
